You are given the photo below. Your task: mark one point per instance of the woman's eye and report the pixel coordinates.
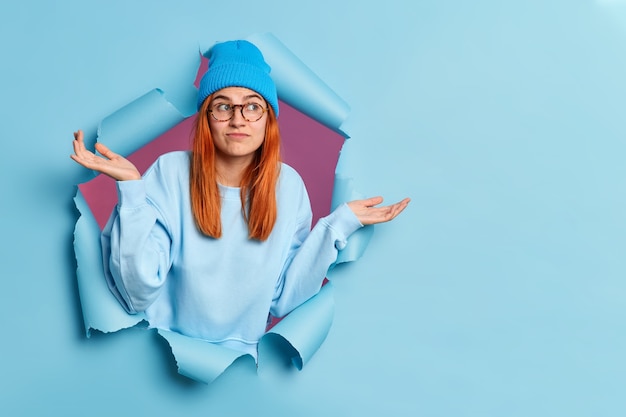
(253, 107)
(223, 107)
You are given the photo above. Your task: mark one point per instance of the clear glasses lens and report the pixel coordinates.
(251, 112)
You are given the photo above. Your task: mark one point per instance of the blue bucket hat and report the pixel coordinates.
(238, 64)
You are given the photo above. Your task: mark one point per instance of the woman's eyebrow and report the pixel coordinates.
(221, 98)
(248, 97)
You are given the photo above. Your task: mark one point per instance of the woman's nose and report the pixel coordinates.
(237, 118)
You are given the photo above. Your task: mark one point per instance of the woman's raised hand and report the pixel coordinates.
(367, 212)
(110, 163)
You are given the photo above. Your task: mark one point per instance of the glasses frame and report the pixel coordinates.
(241, 107)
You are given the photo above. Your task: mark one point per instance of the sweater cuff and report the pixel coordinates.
(131, 194)
(344, 222)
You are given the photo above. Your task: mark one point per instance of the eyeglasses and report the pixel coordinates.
(251, 112)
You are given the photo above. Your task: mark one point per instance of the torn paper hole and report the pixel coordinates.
(310, 123)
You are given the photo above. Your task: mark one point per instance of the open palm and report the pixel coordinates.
(110, 163)
(367, 212)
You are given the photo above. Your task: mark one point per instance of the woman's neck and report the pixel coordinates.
(230, 171)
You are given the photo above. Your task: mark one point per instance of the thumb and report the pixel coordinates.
(105, 151)
(372, 201)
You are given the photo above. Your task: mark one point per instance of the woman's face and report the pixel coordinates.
(237, 139)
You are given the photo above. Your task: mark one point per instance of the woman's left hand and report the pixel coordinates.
(367, 213)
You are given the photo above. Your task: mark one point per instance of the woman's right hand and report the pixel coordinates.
(110, 163)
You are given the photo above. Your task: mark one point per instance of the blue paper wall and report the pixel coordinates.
(500, 291)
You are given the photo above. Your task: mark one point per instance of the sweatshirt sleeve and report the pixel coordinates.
(136, 248)
(311, 256)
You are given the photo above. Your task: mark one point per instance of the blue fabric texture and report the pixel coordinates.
(238, 64)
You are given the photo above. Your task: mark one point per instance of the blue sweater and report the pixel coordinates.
(220, 290)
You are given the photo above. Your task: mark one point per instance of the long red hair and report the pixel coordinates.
(258, 186)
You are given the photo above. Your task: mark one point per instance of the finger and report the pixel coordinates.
(80, 150)
(105, 151)
(78, 136)
(79, 147)
(388, 213)
(83, 156)
(402, 204)
(399, 208)
(372, 201)
(76, 146)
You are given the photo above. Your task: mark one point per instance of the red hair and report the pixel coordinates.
(258, 185)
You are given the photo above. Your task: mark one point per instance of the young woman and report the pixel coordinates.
(208, 242)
